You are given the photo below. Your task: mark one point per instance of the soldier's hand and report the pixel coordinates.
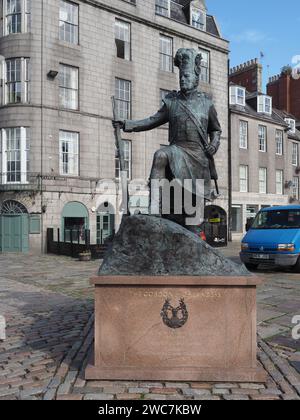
(118, 123)
(211, 150)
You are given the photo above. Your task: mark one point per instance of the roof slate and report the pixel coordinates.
(179, 14)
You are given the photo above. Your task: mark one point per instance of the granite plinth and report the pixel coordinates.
(217, 342)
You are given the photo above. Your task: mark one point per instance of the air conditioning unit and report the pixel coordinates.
(292, 200)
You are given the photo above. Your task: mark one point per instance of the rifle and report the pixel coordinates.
(212, 165)
(120, 155)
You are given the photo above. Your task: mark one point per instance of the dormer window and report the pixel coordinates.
(264, 104)
(292, 125)
(198, 19)
(162, 7)
(237, 95)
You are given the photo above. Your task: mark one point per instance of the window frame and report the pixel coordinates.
(246, 124)
(23, 81)
(121, 21)
(23, 152)
(292, 124)
(65, 22)
(295, 148)
(279, 182)
(244, 181)
(25, 18)
(74, 154)
(129, 161)
(234, 95)
(159, 7)
(207, 68)
(170, 56)
(295, 188)
(279, 150)
(264, 181)
(260, 138)
(120, 100)
(63, 89)
(193, 10)
(262, 106)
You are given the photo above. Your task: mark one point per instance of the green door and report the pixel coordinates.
(14, 233)
(105, 227)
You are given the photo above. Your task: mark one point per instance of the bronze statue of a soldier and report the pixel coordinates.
(194, 129)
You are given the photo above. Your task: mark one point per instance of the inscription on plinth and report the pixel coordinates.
(171, 294)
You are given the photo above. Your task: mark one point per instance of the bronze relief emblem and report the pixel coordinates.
(174, 317)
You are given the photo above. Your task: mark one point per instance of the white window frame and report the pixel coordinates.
(262, 140)
(279, 142)
(202, 14)
(295, 154)
(236, 94)
(25, 17)
(243, 134)
(263, 180)
(75, 35)
(70, 138)
(295, 187)
(25, 71)
(24, 155)
(127, 150)
(292, 124)
(123, 96)
(205, 66)
(161, 9)
(166, 53)
(64, 100)
(123, 34)
(244, 178)
(262, 106)
(279, 182)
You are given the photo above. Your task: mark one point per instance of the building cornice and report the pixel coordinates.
(162, 28)
(258, 117)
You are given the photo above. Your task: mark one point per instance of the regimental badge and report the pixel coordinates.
(174, 317)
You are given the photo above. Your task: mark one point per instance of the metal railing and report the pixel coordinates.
(76, 236)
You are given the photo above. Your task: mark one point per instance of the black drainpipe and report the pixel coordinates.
(229, 164)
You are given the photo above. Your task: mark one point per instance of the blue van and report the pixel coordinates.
(274, 239)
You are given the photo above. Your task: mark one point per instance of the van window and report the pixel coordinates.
(277, 219)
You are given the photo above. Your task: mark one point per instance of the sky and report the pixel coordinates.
(254, 26)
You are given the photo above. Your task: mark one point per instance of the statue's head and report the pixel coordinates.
(188, 61)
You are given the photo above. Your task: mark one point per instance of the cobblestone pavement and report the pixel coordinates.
(48, 305)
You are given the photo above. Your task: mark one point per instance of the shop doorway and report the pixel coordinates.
(105, 223)
(216, 226)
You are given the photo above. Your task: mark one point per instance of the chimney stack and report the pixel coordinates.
(248, 75)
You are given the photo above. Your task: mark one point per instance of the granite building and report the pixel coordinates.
(61, 62)
(264, 149)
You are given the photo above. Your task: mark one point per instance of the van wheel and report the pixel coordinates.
(251, 267)
(296, 267)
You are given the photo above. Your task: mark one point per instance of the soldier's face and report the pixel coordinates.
(188, 81)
